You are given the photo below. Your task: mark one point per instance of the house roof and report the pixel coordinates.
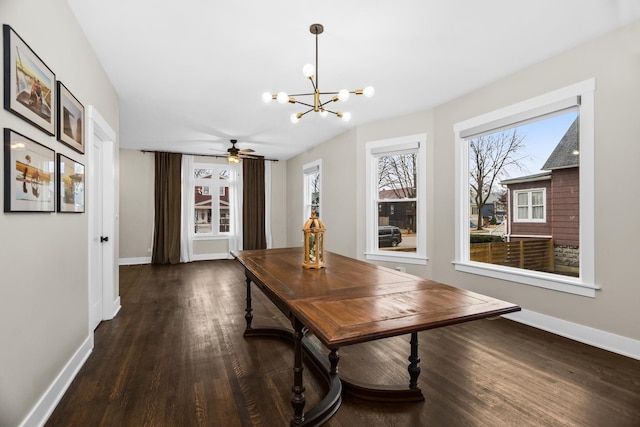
(528, 178)
(565, 155)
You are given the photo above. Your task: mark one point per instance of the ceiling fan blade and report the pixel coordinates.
(247, 150)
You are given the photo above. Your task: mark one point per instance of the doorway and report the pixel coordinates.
(104, 301)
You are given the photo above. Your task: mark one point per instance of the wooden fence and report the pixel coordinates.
(533, 254)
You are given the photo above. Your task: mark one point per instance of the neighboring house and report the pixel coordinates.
(203, 200)
(401, 215)
(546, 205)
(493, 207)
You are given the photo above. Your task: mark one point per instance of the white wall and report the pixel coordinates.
(43, 256)
(614, 61)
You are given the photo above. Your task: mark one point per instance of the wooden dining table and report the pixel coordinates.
(350, 302)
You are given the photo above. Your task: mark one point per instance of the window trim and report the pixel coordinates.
(529, 192)
(580, 94)
(398, 145)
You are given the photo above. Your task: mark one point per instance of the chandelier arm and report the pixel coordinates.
(304, 103)
(302, 94)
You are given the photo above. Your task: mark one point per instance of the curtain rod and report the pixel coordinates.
(217, 156)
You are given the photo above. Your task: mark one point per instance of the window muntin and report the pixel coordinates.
(396, 199)
(212, 215)
(578, 98)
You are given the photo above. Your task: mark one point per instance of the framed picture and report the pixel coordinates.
(70, 185)
(29, 85)
(29, 175)
(70, 119)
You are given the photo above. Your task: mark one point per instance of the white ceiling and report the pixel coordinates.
(190, 73)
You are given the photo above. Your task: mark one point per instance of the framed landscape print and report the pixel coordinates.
(29, 175)
(29, 85)
(70, 185)
(70, 119)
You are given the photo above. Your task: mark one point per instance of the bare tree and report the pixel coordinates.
(489, 155)
(398, 173)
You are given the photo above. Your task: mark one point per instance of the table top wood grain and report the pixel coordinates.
(352, 301)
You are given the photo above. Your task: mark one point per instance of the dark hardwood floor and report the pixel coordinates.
(175, 356)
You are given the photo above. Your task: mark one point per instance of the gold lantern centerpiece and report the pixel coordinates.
(313, 242)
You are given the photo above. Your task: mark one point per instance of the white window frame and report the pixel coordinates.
(529, 218)
(216, 191)
(308, 170)
(580, 95)
(388, 147)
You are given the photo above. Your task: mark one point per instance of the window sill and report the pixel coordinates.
(212, 237)
(554, 282)
(396, 257)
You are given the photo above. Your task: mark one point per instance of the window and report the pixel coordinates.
(396, 200)
(530, 205)
(212, 215)
(524, 192)
(311, 187)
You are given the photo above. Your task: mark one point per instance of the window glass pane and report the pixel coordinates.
(199, 173)
(513, 174)
(224, 210)
(397, 226)
(397, 176)
(202, 215)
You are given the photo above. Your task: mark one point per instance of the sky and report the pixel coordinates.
(541, 138)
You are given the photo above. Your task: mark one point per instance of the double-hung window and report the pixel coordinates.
(396, 200)
(311, 185)
(525, 192)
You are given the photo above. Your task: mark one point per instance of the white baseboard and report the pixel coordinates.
(115, 308)
(585, 334)
(134, 261)
(49, 400)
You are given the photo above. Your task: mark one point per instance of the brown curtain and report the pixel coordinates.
(166, 231)
(254, 236)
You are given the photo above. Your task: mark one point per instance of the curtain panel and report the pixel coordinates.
(253, 209)
(167, 223)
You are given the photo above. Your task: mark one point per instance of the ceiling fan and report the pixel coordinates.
(235, 154)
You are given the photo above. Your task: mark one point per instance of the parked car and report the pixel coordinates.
(389, 235)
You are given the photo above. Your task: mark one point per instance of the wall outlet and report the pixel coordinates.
(401, 269)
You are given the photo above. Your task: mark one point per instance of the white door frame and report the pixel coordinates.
(98, 127)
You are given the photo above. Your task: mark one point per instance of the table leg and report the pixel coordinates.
(248, 310)
(414, 367)
(334, 357)
(298, 399)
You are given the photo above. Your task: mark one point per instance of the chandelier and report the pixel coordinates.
(318, 106)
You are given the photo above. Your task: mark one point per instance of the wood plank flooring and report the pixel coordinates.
(175, 356)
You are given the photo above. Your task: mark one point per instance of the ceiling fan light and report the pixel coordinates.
(233, 159)
(282, 98)
(267, 97)
(369, 91)
(308, 70)
(343, 95)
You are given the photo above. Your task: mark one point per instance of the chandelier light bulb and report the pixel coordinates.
(346, 116)
(308, 70)
(294, 118)
(324, 113)
(369, 91)
(266, 97)
(343, 95)
(282, 98)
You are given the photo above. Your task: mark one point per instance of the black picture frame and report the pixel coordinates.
(29, 85)
(71, 185)
(29, 174)
(71, 121)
